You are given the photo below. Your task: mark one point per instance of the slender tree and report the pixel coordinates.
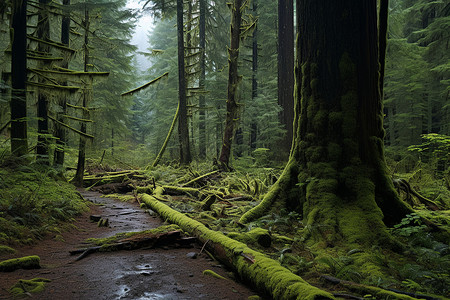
(232, 116)
(286, 69)
(18, 103)
(183, 130)
(202, 102)
(253, 125)
(336, 175)
(43, 34)
(78, 180)
(60, 132)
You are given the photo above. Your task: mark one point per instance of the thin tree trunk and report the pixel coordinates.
(382, 41)
(43, 33)
(86, 96)
(202, 112)
(232, 117)
(183, 130)
(254, 125)
(286, 70)
(60, 130)
(18, 104)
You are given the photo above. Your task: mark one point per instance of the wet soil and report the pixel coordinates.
(139, 274)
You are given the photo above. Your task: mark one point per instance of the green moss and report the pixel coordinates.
(6, 250)
(334, 152)
(27, 262)
(256, 236)
(23, 287)
(320, 121)
(265, 274)
(213, 274)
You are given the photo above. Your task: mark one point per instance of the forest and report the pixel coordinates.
(302, 145)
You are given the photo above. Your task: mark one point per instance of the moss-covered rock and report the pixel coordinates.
(27, 262)
(23, 287)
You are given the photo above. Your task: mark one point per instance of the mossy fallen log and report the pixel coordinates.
(27, 262)
(264, 273)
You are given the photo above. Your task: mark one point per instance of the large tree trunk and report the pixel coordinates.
(18, 103)
(202, 104)
(60, 131)
(286, 70)
(43, 33)
(233, 80)
(336, 175)
(183, 130)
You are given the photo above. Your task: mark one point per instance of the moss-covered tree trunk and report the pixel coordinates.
(60, 131)
(253, 124)
(18, 103)
(202, 98)
(78, 180)
(336, 175)
(183, 130)
(233, 80)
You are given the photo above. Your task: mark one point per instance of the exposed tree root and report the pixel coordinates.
(264, 273)
(403, 185)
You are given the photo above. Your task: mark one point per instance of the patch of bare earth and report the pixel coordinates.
(158, 273)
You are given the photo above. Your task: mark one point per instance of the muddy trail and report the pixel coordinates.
(157, 273)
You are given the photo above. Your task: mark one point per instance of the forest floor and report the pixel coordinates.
(158, 273)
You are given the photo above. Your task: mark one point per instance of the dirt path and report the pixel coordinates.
(139, 274)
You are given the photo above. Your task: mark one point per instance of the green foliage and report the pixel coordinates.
(409, 225)
(33, 203)
(434, 149)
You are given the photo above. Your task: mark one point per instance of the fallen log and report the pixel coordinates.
(262, 272)
(138, 241)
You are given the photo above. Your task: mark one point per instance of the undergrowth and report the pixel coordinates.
(34, 201)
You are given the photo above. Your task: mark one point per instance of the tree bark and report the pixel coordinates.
(336, 176)
(232, 117)
(183, 130)
(202, 102)
(286, 70)
(43, 33)
(78, 180)
(18, 104)
(382, 41)
(60, 131)
(254, 125)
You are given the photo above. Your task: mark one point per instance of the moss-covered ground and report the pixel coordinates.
(420, 265)
(34, 201)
